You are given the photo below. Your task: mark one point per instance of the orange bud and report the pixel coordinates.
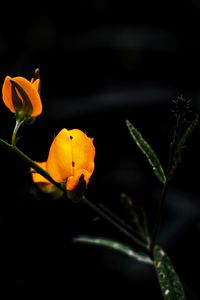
(21, 95)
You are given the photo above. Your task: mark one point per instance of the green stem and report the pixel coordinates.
(170, 172)
(32, 164)
(159, 216)
(15, 131)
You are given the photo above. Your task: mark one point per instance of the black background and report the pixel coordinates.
(101, 62)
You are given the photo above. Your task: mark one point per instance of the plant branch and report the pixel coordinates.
(116, 224)
(110, 219)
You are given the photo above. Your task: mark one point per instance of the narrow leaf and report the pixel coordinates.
(169, 281)
(179, 146)
(113, 245)
(148, 152)
(188, 132)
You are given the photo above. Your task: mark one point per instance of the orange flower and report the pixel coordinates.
(71, 156)
(21, 96)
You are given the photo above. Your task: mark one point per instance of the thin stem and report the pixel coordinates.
(117, 225)
(32, 164)
(159, 215)
(15, 131)
(169, 174)
(123, 223)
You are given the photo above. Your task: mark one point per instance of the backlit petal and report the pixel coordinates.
(36, 177)
(59, 162)
(71, 154)
(7, 94)
(29, 88)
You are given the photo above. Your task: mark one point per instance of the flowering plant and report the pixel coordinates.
(70, 165)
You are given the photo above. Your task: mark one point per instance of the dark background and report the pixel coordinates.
(101, 62)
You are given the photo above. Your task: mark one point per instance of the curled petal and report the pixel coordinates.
(73, 180)
(36, 84)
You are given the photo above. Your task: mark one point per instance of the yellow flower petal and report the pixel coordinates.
(36, 177)
(71, 154)
(59, 162)
(44, 185)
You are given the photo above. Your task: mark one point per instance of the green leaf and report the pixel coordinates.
(148, 151)
(169, 281)
(180, 144)
(188, 132)
(113, 245)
